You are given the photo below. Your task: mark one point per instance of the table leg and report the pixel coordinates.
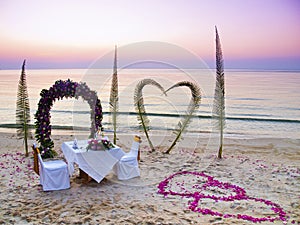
(86, 178)
(139, 156)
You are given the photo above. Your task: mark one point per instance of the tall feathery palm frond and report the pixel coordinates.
(193, 106)
(114, 97)
(23, 109)
(219, 100)
(140, 108)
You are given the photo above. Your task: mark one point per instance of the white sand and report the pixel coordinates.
(265, 168)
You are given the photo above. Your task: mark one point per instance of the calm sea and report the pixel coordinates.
(258, 103)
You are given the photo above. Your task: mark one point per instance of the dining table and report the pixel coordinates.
(96, 164)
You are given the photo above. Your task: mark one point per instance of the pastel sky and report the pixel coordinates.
(255, 34)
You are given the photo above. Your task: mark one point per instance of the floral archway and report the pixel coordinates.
(58, 91)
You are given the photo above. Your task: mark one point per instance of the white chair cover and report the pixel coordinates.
(128, 167)
(54, 175)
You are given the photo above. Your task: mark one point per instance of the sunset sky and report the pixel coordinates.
(255, 34)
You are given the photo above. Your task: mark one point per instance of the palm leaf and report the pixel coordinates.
(193, 106)
(219, 100)
(140, 108)
(23, 109)
(114, 98)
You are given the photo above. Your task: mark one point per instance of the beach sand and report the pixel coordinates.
(265, 168)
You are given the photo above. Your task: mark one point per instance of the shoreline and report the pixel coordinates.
(62, 130)
(267, 168)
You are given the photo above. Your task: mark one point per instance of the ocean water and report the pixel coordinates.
(258, 103)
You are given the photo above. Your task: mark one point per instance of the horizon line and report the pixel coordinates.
(158, 68)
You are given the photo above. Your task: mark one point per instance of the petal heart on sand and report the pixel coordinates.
(220, 196)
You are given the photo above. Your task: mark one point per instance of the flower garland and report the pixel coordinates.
(239, 193)
(63, 89)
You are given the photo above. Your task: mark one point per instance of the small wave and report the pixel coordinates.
(243, 117)
(250, 99)
(248, 118)
(250, 115)
(70, 112)
(64, 127)
(264, 119)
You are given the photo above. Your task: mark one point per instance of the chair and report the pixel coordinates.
(54, 174)
(128, 167)
(35, 160)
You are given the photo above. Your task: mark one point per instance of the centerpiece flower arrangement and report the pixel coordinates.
(99, 143)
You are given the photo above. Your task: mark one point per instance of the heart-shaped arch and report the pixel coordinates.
(63, 89)
(183, 123)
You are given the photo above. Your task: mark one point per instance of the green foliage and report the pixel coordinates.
(219, 99)
(140, 108)
(193, 106)
(114, 98)
(23, 109)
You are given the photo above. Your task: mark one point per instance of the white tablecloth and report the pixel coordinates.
(97, 164)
